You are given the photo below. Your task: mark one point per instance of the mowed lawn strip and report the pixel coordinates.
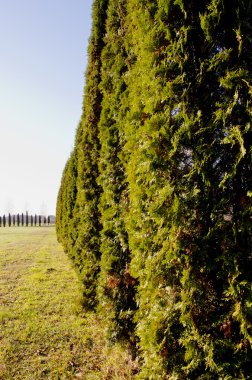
(44, 333)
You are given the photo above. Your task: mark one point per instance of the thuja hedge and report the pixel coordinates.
(116, 286)
(155, 201)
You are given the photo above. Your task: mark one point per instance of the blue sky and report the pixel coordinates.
(43, 54)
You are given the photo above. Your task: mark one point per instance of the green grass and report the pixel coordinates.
(44, 333)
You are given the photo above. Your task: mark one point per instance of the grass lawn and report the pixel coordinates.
(44, 333)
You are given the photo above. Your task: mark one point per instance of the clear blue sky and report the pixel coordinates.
(43, 53)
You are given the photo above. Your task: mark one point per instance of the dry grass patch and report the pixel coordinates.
(44, 333)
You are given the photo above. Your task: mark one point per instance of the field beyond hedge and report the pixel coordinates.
(44, 333)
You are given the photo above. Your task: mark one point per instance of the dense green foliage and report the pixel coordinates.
(116, 286)
(66, 198)
(155, 207)
(82, 234)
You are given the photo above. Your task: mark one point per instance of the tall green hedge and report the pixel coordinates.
(83, 232)
(116, 286)
(66, 202)
(160, 225)
(152, 220)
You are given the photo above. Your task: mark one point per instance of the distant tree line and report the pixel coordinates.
(25, 220)
(155, 202)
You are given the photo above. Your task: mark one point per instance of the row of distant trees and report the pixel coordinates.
(24, 220)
